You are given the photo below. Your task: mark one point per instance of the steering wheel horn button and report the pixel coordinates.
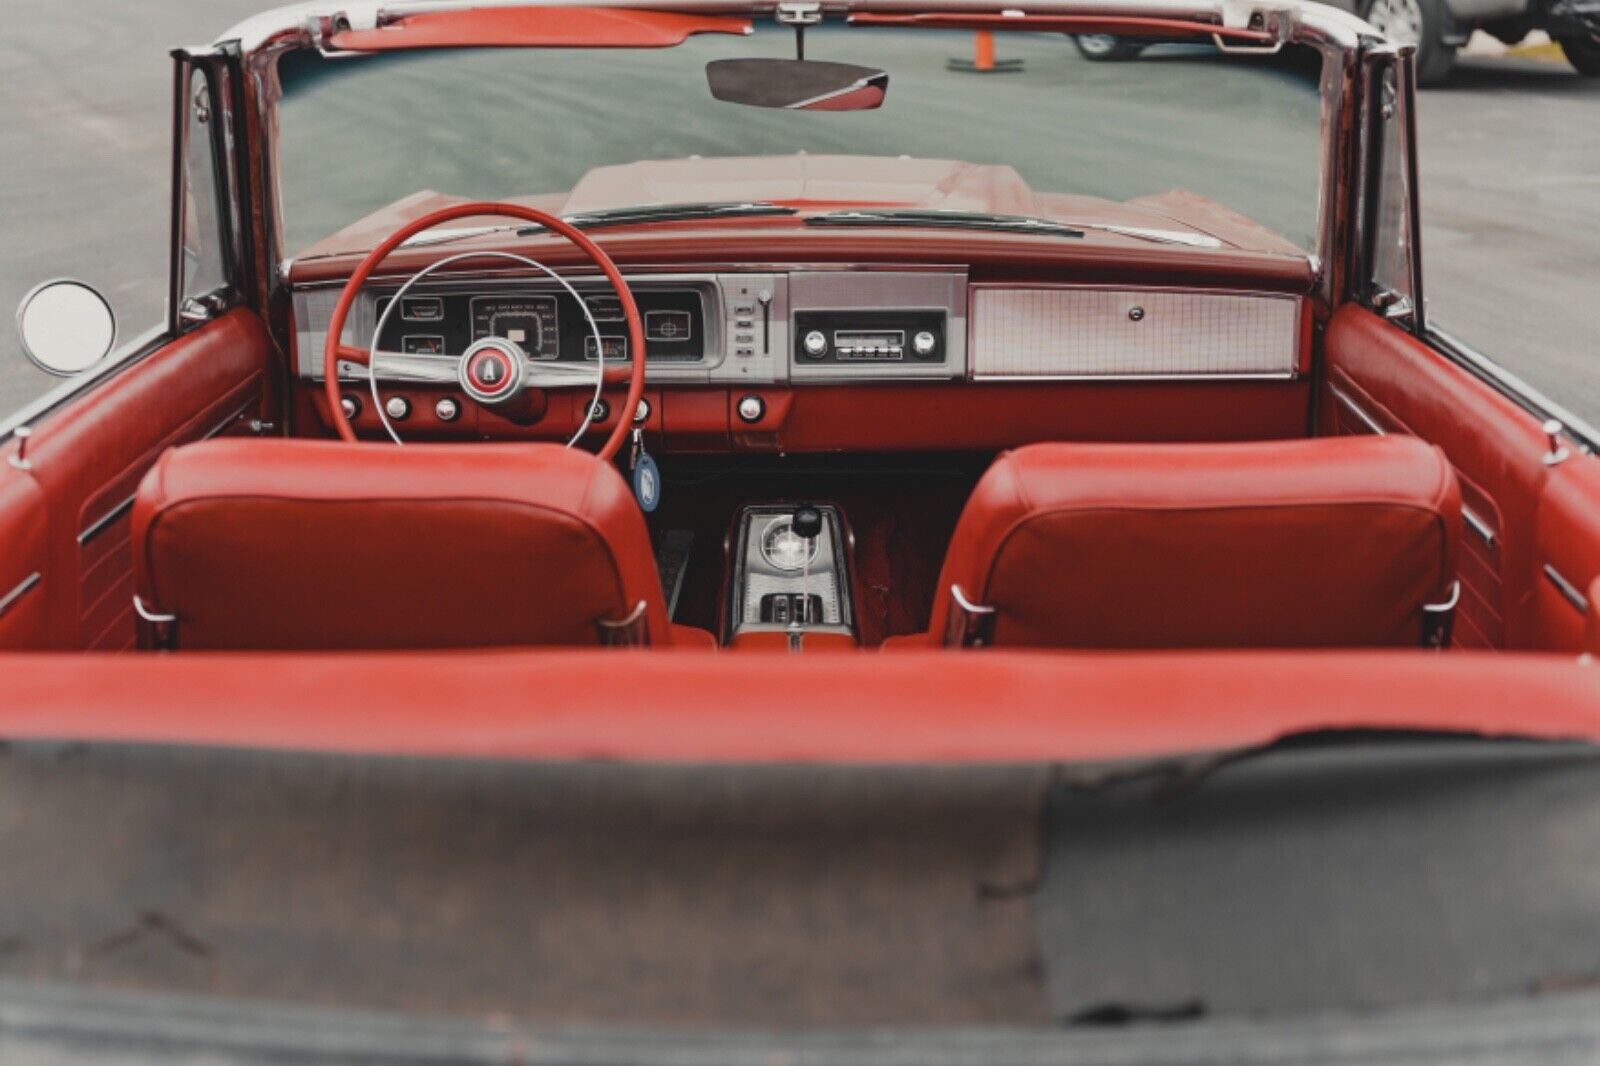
(491, 370)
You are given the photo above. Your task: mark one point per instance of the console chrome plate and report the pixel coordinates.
(754, 576)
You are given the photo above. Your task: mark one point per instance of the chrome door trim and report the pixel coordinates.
(12, 598)
(1476, 523)
(105, 521)
(1525, 396)
(1356, 409)
(1568, 590)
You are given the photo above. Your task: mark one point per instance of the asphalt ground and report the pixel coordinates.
(1510, 159)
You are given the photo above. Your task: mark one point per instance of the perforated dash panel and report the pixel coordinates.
(1073, 332)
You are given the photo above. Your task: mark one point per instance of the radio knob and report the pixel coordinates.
(816, 344)
(923, 343)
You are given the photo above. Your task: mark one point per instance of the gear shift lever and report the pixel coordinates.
(806, 522)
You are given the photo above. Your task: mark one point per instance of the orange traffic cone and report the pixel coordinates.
(983, 60)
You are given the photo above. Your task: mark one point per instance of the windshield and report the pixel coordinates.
(1183, 137)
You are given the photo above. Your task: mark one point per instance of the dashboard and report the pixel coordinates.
(826, 358)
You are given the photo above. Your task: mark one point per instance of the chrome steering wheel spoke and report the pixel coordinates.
(415, 369)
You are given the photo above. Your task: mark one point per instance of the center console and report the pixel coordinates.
(791, 576)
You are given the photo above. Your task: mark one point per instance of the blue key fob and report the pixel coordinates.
(647, 482)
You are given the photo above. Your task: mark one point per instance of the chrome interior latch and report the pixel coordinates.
(1559, 452)
(970, 625)
(20, 460)
(1439, 619)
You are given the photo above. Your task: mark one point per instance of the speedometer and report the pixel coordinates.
(529, 321)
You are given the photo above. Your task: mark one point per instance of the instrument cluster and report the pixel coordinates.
(550, 326)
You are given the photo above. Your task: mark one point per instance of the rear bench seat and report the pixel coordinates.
(1327, 542)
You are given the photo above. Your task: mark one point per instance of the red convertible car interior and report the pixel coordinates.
(710, 454)
(887, 405)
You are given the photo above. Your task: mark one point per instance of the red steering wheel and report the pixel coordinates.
(335, 351)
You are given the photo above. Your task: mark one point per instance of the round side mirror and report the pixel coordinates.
(65, 327)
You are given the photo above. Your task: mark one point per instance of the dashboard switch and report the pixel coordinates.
(351, 405)
(445, 409)
(752, 409)
(397, 408)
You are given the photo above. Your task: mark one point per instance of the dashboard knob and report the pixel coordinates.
(446, 409)
(923, 343)
(751, 409)
(816, 344)
(397, 408)
(642, 412)
(599, 411)
(351, 406)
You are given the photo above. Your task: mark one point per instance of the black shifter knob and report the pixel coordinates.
(807, 522)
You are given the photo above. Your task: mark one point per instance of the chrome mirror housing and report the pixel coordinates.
(65, 327)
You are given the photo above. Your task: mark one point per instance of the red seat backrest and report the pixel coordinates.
(1306, 543)
(273, 544)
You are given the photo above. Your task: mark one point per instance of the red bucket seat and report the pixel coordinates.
(275, 544)
(1330, 542)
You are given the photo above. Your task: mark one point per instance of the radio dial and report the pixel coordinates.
(923, 343)
(816, 344)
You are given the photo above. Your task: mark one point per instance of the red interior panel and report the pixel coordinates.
(87, 460)
(1380, 378)
(947, 416)
(22, 564)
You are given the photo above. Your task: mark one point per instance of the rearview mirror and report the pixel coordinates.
(797, 84)
(65, 327)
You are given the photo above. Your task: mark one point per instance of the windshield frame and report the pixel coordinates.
(1336, 35)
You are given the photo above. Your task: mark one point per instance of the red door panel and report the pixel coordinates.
(1569, 551)
(86, 462)
(22, 588)
(1381, 379)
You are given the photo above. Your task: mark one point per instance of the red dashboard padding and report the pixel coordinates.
(257, 544)
(1306, 543)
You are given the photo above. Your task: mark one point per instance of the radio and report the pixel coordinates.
(869, 336)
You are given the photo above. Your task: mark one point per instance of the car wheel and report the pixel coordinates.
(1104, 47)
(1583, 53)
(1420, 23)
